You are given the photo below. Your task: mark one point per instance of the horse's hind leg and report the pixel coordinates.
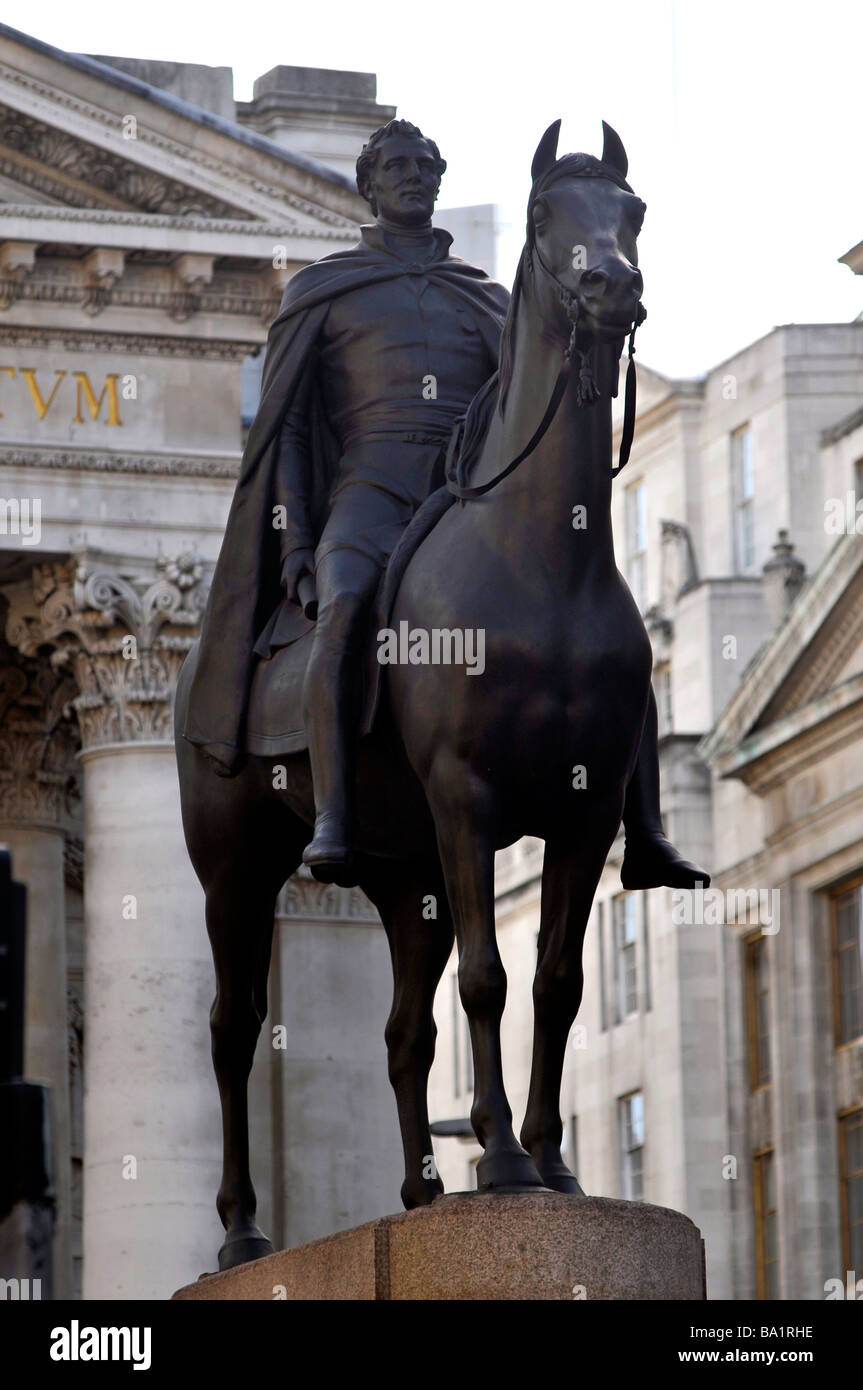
(411, 899)
(252, 863)
(571, 871)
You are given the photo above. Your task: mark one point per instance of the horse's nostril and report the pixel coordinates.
(595, 281)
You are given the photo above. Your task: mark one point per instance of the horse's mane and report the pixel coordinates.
(472, 432)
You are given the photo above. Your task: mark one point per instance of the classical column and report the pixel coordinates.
(38, 778)
(151, 1116)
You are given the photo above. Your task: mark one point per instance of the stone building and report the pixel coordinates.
(148, 223)
(147, 228)
(716, 1065)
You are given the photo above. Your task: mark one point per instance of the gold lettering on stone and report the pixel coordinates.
(94, 405)
(29, 375)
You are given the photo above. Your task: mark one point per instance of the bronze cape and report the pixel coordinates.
(246, 584)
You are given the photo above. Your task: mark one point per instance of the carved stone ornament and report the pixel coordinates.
(38, 740)
(122, 637)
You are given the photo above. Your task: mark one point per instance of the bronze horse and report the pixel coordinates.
(458, 766)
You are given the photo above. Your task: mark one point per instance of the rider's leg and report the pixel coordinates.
(346, 584)
(650, 860)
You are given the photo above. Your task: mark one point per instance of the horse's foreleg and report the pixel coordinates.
(411, 899)
(467, 855)
(240, 924)
(571, 871)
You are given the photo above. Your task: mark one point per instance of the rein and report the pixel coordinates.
(587, 393)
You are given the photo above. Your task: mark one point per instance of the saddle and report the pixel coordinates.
(274, 720)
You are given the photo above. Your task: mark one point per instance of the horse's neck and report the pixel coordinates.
(569, 468)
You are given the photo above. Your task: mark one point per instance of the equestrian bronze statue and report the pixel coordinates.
(421, 447)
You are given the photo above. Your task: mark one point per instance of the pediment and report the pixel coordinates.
(76, 133)
(808, 675)
(48, 165)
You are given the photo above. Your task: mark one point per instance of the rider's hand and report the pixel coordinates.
(298, 563)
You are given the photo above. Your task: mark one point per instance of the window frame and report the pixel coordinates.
(626, 1151)
(742, 464)
(619, 974)
(759, 1167)
(636, 542)
(853, 885)
(854, 1113)
(753, 945)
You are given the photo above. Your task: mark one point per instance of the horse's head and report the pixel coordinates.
(583, 220)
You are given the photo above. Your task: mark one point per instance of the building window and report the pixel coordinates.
(631, 1128)
(625, 920)
(851, 1188)
(647, 1002)
(766, 1226)
(603, 978)
(744, 499)
(758, 1011)
(636, 542)
(848, 964)
(662, 691)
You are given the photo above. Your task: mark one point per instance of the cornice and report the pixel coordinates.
(133, 344)
(800, 740)
(187, 222)
(94, 461)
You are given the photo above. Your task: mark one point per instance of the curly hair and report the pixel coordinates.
(367, 161)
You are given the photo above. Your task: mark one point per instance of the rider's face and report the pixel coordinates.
(405, 181)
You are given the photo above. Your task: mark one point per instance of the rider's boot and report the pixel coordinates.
(331, 720)
(649, 859)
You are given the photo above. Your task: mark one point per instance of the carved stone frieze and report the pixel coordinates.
(131, 344)
(38, 740)
(93, 461)
(81, 173)
(123, 637)
(305, 899)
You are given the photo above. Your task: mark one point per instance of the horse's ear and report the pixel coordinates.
(613, 152)
(546, 152)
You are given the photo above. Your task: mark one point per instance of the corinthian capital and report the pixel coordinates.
(122, 634)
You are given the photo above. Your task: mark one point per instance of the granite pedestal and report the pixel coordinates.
(472, 1246)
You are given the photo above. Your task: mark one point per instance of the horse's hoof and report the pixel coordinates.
(247, 1245)
(420, 1194)
(558, 1177)
(510, 1169)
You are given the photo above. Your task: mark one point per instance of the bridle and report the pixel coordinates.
(587, 390)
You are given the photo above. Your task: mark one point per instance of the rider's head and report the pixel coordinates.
(399, 174)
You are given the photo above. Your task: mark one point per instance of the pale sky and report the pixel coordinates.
(741, 120)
